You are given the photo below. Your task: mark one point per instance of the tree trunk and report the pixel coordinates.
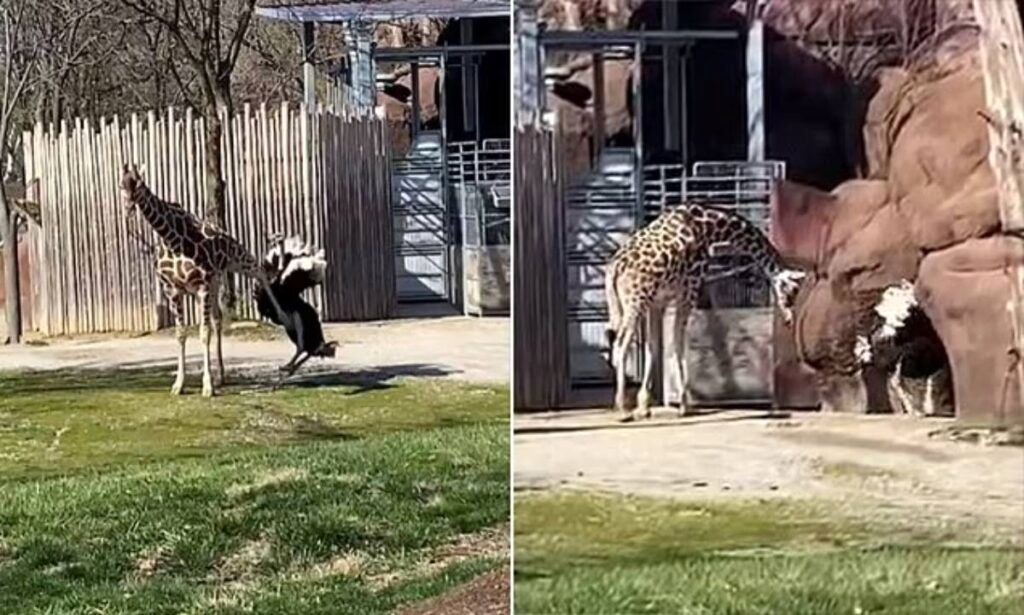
(214, 177)
(12, 289)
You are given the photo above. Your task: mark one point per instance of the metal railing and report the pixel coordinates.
(738, 186)
(480, 178)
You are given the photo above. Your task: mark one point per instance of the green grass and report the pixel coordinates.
(339, 498)
(592, 553)
(66, 420)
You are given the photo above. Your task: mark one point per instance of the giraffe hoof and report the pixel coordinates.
(176, 388)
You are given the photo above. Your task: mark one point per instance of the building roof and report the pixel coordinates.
(379, 10)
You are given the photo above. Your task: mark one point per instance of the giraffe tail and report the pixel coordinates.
(611, 278)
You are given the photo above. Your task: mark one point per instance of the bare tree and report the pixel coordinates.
(72, 36)
(210, 39)
(18, 57)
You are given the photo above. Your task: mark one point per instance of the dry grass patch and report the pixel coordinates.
(265, 481)
(492, 543)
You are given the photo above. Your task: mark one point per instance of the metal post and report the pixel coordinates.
(466, 74)
(475, 59)
(599, 104)
(415, 75)
(529, 74)
(308, 73)
(359, 38)
(684, 107)
(638, 131)
(755, 81)
(670, 75)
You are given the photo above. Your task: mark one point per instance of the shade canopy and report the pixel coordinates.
(313, 11)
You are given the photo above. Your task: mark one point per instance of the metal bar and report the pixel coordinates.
(449, 261)
(593, 39)
(599, 117)
(415, 125)
(404, 53)
(476, 99)
(638, 131)
(385, 11)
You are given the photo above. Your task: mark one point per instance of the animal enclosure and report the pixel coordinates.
(290, 169)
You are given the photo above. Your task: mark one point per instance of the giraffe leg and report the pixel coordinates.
(622, 342)
(680, 371)
(652, 344)
(217, 319)
(175, 298)
(204, 336)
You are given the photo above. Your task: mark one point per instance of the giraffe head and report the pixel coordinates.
(131, 180)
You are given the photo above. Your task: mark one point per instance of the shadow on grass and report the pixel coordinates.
(142, 376)
(364, 380)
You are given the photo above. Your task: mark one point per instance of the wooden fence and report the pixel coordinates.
(541, 347)
(323, 177)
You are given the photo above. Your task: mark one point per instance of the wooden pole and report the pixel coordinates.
(1002, 60)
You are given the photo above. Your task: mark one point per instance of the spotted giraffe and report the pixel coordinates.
(666, 263)
(193, 258)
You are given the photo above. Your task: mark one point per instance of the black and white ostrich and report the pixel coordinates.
(903, 343)
(293, 267)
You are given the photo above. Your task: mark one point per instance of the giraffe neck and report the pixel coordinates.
(171, 222)
(716, 226)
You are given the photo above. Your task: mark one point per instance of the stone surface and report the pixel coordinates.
(800, 220)
(930, 188)
(965, 291)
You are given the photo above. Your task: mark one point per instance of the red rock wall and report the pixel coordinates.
(929, 213)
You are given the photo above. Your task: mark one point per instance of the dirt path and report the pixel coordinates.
(472, 349)
(852, 460)
(485, 595)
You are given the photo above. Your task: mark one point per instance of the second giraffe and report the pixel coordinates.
(666, 263)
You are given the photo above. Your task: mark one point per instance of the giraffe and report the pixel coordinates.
(192, 259)
(666, 263)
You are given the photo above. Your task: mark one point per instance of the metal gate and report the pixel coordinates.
(730, 332)
(601, 212)
(730, 355)
(427, 180)
(480, 183)
(422, 227)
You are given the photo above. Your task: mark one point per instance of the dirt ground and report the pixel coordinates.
(470, 349)
(485, 595)
(865, 464)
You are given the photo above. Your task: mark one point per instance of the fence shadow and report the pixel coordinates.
(242, 378)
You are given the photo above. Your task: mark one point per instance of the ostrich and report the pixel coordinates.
(294, 267)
